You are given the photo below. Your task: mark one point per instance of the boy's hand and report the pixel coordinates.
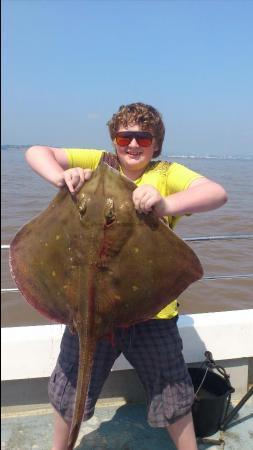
(146, 198)
(75, 178)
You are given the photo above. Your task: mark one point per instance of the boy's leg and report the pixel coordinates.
(62, 383)
(182, 433)
(155, 351)
(61, 432)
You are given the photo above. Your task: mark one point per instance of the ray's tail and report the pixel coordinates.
(87, 347)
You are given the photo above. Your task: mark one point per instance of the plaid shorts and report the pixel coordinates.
(153, 348)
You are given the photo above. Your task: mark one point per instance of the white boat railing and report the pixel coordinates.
(227, 334)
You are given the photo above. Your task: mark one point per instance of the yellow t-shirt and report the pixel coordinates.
(168, 178)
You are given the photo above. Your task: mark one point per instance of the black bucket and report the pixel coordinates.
(212, 398)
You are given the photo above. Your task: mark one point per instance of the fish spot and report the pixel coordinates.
(46, 244)
(125, 205)
(135, 288)
(136, 250)
(57, 237)
(53, 273)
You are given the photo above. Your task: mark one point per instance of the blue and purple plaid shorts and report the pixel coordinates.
(153, 348)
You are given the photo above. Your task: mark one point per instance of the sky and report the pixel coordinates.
(67, 66)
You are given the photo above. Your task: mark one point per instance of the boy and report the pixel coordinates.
(153, 347)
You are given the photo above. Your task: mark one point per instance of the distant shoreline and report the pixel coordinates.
(190, 156)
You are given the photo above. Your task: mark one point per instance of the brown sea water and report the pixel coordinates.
(25, 194)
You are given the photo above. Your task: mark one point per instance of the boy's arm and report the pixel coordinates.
(202, 195)
(52, 164)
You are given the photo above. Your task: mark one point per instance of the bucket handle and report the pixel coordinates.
(211, 364)
(201, 384)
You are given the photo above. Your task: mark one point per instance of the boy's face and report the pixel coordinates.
(133, 157)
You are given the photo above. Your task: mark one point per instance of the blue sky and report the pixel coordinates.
(67, 65)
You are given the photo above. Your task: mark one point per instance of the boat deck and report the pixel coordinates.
(115, 426)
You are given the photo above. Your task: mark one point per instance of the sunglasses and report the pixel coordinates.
(143, 138)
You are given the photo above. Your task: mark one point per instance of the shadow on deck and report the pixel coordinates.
(115, 426)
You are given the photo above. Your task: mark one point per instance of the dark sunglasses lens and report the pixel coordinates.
(123, 141)
(144, 142)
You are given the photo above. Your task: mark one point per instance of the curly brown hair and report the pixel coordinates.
(146, 116)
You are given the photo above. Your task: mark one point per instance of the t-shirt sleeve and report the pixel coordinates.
(180, 177)
(85, 158)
